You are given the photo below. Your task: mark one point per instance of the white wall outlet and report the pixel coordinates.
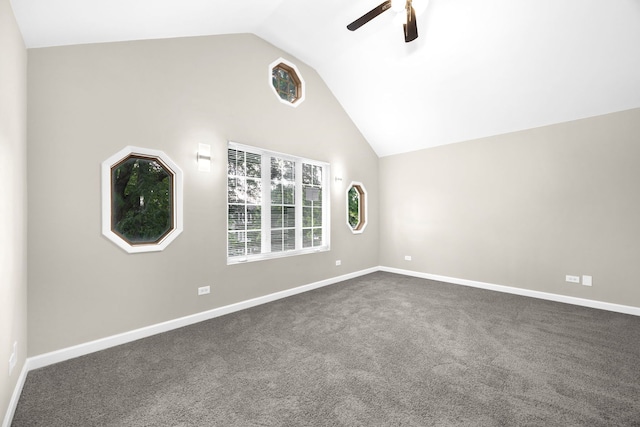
(573, 279)
(407, 257)
(338, 262)
(203, 290)
(587, 280)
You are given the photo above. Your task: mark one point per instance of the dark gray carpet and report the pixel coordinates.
(380, 350)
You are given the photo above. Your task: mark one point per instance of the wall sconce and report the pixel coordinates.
(204, 157)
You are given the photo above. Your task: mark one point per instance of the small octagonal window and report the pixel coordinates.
(286, 82)
(142, 199)
(356, 207)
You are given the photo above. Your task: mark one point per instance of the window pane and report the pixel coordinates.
(289, 170)
(289, 216)
(276, 216)
(307, 238)
(141, 191)
(311, 194)
(254, 165)
(307, 217)
(254, 217)
(236, 217)
(276, 241)
(236, 244)
(354, 207)
(236, 190)
(306, 200)
(254, 243)
(317, 237)
(288, 195)
(317, 217)
(231, 162)
(276, 193)
(307, 173)
(289, 240)
(283, 82)
(276, 169)
(232, 183)
(254, 191)
(317, 175)
(235, 162)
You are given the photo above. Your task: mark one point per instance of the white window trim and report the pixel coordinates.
(266, 213)
(106, 200)
(303, 90)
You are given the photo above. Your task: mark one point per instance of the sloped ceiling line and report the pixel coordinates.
(479, 68)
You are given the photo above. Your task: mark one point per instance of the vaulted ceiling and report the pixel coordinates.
(478, 68)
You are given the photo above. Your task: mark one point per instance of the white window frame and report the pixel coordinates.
(176, 227)
(266, 206)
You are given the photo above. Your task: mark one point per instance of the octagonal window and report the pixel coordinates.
(141, 195)
(356, 207)
(286, 82)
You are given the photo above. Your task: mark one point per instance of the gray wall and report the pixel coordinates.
(522, 209)
(13, 231)
(87, 102)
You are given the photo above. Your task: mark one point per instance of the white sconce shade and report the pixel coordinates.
(204, 157)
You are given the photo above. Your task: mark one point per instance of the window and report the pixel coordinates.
(286, 82)
(276, 205)
(356, 207)
(142, 199)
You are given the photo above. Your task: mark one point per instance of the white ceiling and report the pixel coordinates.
(478, 68)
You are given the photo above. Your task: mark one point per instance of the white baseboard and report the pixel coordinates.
(125, 337)
(46, 359)
(61, 355)
(626, 309)
(13, 403)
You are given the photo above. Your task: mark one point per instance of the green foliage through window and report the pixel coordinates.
(356, 207)
(286, 82)
(276, 204)
(142, 205)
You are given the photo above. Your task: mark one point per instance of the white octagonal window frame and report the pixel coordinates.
(177, 199)
(293, 67)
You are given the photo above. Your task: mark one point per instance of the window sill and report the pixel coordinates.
(275, 255)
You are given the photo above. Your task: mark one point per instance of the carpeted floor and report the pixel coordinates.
(379, 350)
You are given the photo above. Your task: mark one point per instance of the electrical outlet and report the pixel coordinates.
(587, 281)
(338, 262)
(203, 290)
(407, 257)
(573, 279)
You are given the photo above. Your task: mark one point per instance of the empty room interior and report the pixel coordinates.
(298, 212)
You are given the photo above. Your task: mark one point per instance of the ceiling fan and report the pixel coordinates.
(410, 27)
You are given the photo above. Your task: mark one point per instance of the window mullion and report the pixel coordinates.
(298, 201)
(326, 214)
(266, 203)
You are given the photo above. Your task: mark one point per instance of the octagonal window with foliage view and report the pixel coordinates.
(141, 193)
(356, 207)
(287, 82)
(140, 189)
